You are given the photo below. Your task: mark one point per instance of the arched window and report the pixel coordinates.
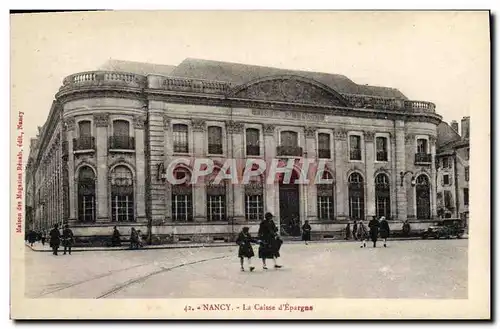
(422, 191)
(254, 199)
(122, 194)
(182, 197)
(180, 138)
(214, 140)
(86, 194)
(356, 196)
(252, 141)
(325, 198)
(382, 196)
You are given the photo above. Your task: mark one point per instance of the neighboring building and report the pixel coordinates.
(99, 159)
(453, 170)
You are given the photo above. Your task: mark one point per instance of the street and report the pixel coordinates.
(406, 269)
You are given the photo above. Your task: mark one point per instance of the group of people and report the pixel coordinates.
(136, 240)
(56, 238)
(268, 240)
(375, 227)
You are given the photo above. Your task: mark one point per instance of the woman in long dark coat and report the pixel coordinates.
(374, 226)
(55, 239)
(306, 232)
(385, 230)
(269, 241)
(115, 239)
(245, 250)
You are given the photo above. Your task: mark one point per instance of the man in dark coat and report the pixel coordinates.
(355, 230)
(270, 243)
(374, 226)
(55, 239)
(67, 239)
(245, 250)
(115, 239)
(306, 232)
(385, 230)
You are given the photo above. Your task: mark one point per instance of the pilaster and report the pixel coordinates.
(433, 182)
(140, 165)
(401, 201)
(69, 128)
(341, 151)
(101, 121)
(370, 173)
(199, 190)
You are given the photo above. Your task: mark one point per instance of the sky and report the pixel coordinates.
(441, 57)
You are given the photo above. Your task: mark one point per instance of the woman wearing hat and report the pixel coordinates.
(384, 230)
(270, 243)
(245, 240)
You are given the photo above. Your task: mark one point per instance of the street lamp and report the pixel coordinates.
(403, 174)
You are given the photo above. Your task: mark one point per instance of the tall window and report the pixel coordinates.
(466, 196)
(446, 162)
(121, 128)
(86, 195)
(84, 129)
(421, 145)
(216, 200)
(466, 174)
(122, 194)
(381, 143)
(422, 190)
(121, 136)
(354, 147)
(324, 146)
(182, 198)
(446, 179)
(254, 199)
(180, 134)
(382, 196)
(325, 199)
(252, 141)
(356, 197)
(214, 140)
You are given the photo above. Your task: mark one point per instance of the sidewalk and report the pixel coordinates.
(46, 248)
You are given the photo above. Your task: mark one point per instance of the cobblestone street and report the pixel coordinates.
(406, 269)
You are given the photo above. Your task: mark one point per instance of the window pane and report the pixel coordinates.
(252, 140)
(324, 141)
(422, 146)
(121, 128)
(355, 148)
(84, 128)
(180, 135)
(214, 140)
(289, 138)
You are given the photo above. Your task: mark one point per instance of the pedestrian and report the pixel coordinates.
(32, 237)
(55, 239)
(406, 228)
(245, 250)
(385, 230)
(362, 233)
(68, 239)
(134, 243)
(44, 237)
(355, 230)
(348, 231)
(374, 226)
(270, 243)
(140, 241)
(306, 232)
(115, 238)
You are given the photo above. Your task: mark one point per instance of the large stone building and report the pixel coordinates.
(453, 170)
(100, 158)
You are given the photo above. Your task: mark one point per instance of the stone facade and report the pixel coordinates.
(100, 159)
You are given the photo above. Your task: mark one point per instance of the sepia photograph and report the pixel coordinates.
(250, 165)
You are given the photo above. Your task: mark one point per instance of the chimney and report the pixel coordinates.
(454, 126)
(465, 127)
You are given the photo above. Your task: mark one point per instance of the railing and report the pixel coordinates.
(381, 156)
(253, 150)
(214, 148)
(195, 85)
(420, 106)
(355, 155)
(375, 102)
(99, 78)
(324, 154)
(289, 150)
(83, 143)
(121, 143)
(423, 158)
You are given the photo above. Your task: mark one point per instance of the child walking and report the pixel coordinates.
(362, 234)
(245, 250)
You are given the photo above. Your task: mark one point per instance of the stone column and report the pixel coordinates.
(400, 167)
(101, 121)
(69, 127)
(235, 136)
(271, 190)
(310, 190)
(433, 186)
(341, 188)
(140, 165)
(200, 195)
(370, 172)
(169, 151)
(411, 211)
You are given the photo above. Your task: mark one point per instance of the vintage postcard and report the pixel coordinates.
(250, 165)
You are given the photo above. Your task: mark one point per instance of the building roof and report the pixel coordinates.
(446, 135)
(238, 74)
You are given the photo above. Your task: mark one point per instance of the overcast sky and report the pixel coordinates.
(438, 57)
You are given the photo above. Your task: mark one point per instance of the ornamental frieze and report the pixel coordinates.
(269, 129)
(409, 138)
(292, 90)
(310, 131)
(101, 119)
(369, 136)
(340, 134)
(234, 127)
(69, 124)
(292, 115)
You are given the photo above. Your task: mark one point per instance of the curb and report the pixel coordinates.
(212, 245)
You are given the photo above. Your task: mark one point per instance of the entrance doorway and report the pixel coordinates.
(289, 207)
